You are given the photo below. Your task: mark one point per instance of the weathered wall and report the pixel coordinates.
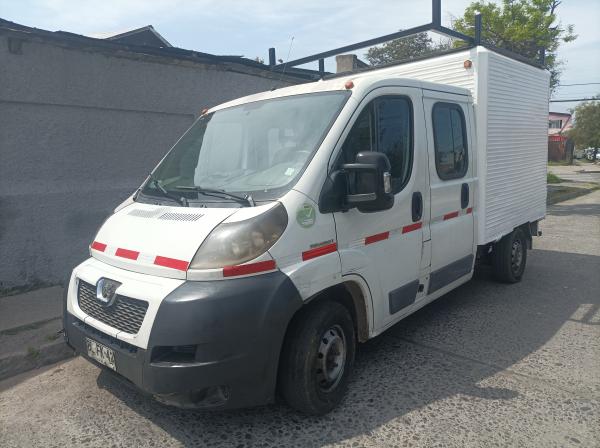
(79, 131)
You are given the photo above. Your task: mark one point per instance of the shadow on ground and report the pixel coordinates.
(446, 349)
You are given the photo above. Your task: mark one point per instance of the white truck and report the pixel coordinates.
(286, 227)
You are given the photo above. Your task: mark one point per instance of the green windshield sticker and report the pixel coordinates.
(306, 215)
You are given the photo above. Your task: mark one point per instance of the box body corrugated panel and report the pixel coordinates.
(511, 116)
(515, 139)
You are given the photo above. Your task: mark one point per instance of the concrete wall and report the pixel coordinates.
(79, 131)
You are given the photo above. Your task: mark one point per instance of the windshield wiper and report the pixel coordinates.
(246, 199)
(179, 199)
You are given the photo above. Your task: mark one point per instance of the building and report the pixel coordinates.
(146, 36)
(559, 124)
(84, 120)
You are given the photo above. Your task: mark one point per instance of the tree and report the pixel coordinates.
(586, 130)
(401, 49)
(522, 26)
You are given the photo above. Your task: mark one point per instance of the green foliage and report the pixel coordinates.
(33, 352)
(522, 26)
(402, 49)
(552, 178)
(586, 130)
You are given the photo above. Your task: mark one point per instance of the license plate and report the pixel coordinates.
(101, 353)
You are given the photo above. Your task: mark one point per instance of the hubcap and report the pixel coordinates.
(516, 255)
(331, 358)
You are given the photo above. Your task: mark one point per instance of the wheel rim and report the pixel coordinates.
(331, 358)
(516, 255)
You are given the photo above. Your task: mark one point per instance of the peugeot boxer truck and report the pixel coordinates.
(286, 227)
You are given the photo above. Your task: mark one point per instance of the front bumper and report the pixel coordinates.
(237, 327)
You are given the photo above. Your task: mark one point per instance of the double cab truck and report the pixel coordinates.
(286, 227)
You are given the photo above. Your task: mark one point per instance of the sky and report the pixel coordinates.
(249, 28)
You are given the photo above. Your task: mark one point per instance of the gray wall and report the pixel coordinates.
(79, 131)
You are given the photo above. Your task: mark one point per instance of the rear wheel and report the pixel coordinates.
(510, 257)
(317, 358)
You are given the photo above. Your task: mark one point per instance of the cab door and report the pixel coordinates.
(452, 174)
(385, 248)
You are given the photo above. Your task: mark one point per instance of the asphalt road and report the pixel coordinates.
(486, 365)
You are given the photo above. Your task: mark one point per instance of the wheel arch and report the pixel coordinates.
(352, 292)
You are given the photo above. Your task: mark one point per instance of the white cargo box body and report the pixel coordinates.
(511, 116)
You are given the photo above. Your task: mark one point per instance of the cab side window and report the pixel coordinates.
(384, 125)
(361, 136)
(450, 141)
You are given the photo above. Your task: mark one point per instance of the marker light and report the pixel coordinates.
(235, 243)
(349, 85)
(468, 64)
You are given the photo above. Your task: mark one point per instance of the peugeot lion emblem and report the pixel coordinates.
(106, 291)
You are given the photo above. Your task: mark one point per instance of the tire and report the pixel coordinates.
(510, 257)
(317, 358)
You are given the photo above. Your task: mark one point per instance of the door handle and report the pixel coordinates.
(464, 196)
(417, 206)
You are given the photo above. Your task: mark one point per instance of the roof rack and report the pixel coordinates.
(435, 25)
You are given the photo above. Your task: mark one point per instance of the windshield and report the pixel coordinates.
(257, 149)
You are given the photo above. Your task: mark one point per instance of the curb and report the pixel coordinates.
(21, 362)
(554, 197)
(31, 326)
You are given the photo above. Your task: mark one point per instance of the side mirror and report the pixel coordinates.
(369, 182)
(365, 184)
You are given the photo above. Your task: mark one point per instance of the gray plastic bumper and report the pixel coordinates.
(236, 328)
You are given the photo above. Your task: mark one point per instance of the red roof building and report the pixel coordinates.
(558, 124)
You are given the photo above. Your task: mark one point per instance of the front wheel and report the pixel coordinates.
(317, 358)
(509, 257)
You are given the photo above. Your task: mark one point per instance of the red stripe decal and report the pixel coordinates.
(319, 251)
(252, 268)
(100, 247)
(378, 237)
(469, 210)
(412, 227)
(126, 253)
(450, 215)
(171, 263)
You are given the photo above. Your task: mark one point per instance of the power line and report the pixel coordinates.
(569, 97)
(580, 84)
(575, 100)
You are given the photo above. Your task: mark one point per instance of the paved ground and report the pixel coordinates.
(581, 172)
(30, 307)
(486, 365)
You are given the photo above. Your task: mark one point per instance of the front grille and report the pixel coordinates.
(125, 314)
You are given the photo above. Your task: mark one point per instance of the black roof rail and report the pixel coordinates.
(435, 25)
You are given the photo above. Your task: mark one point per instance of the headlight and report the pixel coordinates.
(237, 242)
